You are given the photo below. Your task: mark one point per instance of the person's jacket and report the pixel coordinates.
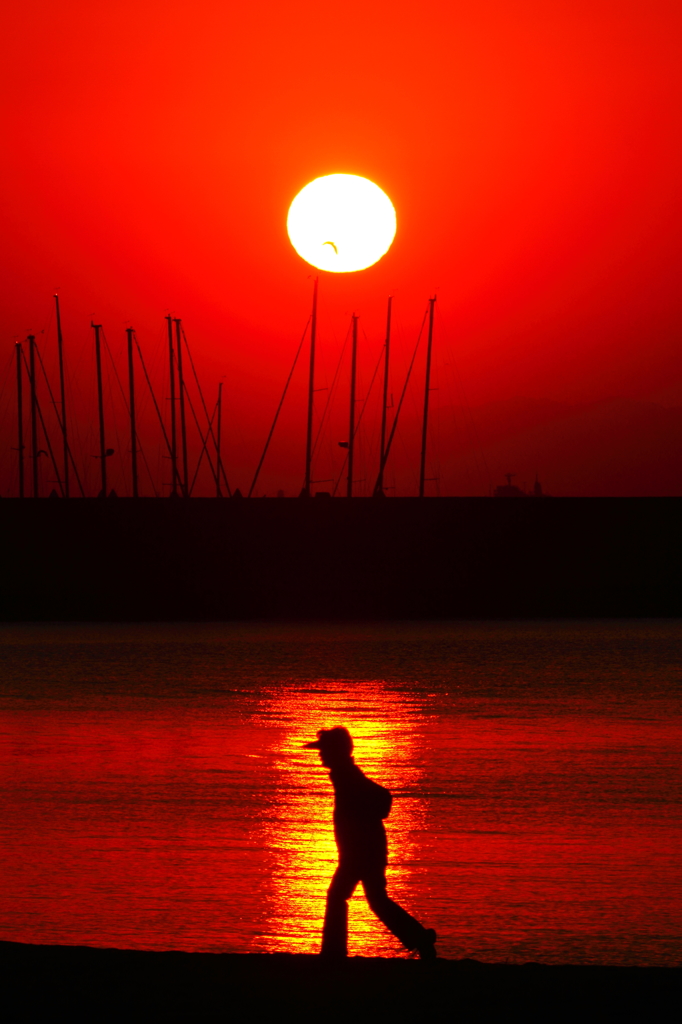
(360, 806)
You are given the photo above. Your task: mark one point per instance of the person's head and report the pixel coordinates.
(335, 746)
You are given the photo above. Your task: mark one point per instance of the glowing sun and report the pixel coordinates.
(341, 222)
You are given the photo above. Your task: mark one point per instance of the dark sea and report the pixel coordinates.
(156, 795)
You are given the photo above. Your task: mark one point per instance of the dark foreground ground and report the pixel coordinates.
(46, 983)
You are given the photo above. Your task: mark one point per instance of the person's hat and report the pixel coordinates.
(338, 739)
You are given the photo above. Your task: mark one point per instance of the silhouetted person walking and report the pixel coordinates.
(360, 806)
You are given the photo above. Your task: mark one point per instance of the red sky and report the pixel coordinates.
(533, 152)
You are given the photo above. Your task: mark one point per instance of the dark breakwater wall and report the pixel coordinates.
(152, 559)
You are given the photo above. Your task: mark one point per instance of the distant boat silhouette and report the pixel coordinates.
(510, 490)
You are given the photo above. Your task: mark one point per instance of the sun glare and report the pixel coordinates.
(341, 223)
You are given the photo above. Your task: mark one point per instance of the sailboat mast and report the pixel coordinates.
(218, 492)
(311, 387)
(131, 402)
(20, 419)
(379, 488)
(34, 409)
(174, 448)
(351, 425)
(427, 389)
(62, 390)
(183, 426)
(100, 405)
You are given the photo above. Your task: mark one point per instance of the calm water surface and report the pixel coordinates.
(155, 793)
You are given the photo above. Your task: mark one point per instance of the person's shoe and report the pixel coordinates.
(427, 945)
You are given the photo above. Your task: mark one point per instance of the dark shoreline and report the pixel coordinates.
(82, 983)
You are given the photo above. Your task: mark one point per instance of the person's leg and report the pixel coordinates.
(411, 933)
(335, 929)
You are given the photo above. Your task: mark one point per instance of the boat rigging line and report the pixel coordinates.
(36, 410)
(210, 424)
(218, 492)
(351, 422)
(279, 409)
(158, 412)
(62, 389)
(330, 391)
(402, 396)
(362, 413)
(427, 392)
(203, 402)
(379, 488)
(65, 493)
(20, 420)
(216, 477)
(131, 409)
(311, 395)
(34, 426)
(183, 425)
(174, 444)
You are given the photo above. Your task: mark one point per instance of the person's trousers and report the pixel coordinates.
(335, 930)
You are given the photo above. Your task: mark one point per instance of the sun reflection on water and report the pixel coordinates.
(156, 794)
(298, 829)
